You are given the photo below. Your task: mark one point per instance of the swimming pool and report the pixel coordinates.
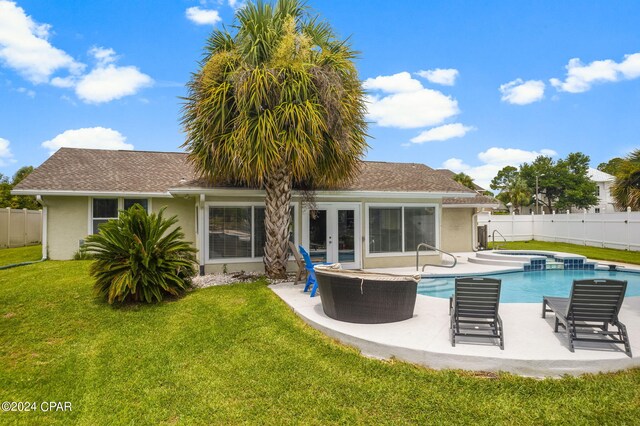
(529, 287)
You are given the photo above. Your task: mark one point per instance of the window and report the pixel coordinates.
(597, 209)
(598, 190)
(239, 232)
(385, 230)
(229, 232)
(401, 229)
(419, 227)
(130, 202)
(103, 210)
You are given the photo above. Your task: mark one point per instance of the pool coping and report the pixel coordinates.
(424, 339)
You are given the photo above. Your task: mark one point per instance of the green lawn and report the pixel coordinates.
(9, 256)
(591, 252)
(237, 353)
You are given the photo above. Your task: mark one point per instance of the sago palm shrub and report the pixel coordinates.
(140, 257)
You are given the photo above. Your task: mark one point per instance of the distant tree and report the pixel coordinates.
(513, 189)
(465, 180)
(22, 173)
(504, 178)
(626, 188)
(16, 201)
(579, 190)
(562, 184)
(520, 194)
(5, 191)
(611, 167)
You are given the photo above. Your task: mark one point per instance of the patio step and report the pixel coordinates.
(498, 256)
(435, 284)
(497, 262)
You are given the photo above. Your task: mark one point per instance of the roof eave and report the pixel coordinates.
(89, 193)
(240, 192)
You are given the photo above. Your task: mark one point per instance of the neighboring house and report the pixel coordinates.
(605, 200)
(375, 221)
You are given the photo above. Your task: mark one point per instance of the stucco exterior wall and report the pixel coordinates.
(184, 208)
(67, 224)
(456, 229)
(68, 221)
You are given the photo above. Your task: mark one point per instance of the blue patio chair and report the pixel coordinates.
(311, 276)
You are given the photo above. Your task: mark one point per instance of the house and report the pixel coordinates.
(605, 200)
(375, 221)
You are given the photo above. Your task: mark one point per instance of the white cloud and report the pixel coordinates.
(456, 165)
(446, 77)
(630, 67)
(110, 82)
(404, 103)
(30, 93)
(521, 92)
(411, 110)
(91, 137)
(401, 82)
(103, 55)
(442, 133)
(581, 77)
(24, 46)
(203, 16)
(493, 160)
(236, 4)
(6, 156)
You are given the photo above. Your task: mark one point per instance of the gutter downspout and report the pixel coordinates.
(474, 231)
(44, 238)
(45, 227)
(201, 232)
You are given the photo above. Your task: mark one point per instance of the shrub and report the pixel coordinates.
(138, 258)
(82, 254)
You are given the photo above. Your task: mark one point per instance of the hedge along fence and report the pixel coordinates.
(20, 227)
(611, 230)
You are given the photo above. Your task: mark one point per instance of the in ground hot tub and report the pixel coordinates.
(366, 297)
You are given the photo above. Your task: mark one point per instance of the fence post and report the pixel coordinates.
(8, 227)
(584, 227)
(26, 224)
(627, 228)
(40, 232)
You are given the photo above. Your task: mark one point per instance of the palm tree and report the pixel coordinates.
(626, 188)
(276, 103)
(465, 179)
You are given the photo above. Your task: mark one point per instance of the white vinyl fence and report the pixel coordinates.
(19, 228)
(612, 230)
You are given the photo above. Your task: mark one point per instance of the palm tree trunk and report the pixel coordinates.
(276, 222)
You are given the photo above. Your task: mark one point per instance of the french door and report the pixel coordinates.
(331, 233)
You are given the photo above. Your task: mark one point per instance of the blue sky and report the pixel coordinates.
(468, 85)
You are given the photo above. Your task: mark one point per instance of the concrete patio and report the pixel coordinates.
(531, 346)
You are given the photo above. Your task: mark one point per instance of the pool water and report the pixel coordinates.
(529, 287)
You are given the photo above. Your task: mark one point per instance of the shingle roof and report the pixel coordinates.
(448, 173)
(100, 170)
(477, 200)
(90, 170)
